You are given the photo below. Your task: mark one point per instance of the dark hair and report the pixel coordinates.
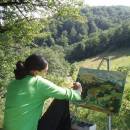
(33, 62)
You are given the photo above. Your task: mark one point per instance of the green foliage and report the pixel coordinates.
(73, 71)
(71, 12)
(20, 32)
(92, 27)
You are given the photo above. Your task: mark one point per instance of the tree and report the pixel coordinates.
(63, 39)
(72, 35)
(92, 26)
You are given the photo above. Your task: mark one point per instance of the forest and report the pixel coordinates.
(65, 34)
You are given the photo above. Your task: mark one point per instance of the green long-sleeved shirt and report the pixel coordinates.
(25, 99)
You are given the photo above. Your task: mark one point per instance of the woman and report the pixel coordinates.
(27, 93)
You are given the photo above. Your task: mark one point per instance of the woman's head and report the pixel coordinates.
(32, 66)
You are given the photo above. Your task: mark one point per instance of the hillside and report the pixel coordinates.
(119, 58)
(86, 32)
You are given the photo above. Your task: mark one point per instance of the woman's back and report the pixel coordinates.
(23, 105)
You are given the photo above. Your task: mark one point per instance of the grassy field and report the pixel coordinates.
(119, 58)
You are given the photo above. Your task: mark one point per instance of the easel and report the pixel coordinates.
(107, 59)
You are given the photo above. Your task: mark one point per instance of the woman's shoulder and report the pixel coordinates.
(40, 78)
(43, 80)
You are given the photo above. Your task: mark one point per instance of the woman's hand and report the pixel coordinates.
(77, 86)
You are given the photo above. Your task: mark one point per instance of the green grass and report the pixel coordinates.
(120, 57)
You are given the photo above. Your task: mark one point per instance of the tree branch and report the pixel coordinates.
(12, 3)
(22, 14)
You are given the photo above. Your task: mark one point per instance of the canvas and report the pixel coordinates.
(102, 90)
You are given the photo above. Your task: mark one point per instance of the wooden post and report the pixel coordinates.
(109, 124)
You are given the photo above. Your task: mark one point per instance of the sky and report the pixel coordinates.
(107, 2)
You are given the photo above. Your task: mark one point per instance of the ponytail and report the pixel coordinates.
(20, 71)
